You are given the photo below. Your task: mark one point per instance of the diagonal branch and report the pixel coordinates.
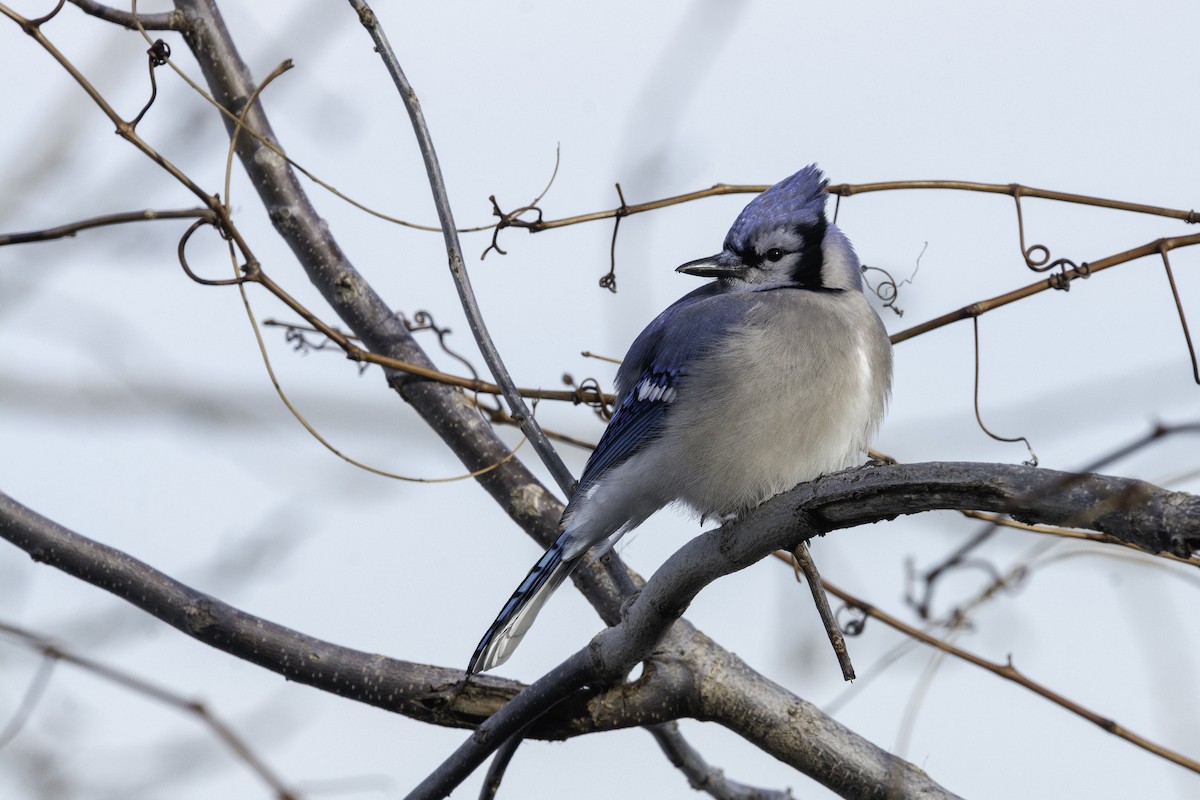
(1133, 511)
(685, 665)
(1056, 281)
(701, 776)
(1010, 673)
(458, 269)
(162, 694)
(668, 690)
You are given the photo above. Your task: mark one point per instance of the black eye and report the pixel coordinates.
(774, 254)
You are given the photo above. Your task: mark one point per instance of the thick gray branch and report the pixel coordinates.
(1129, 510)
(688, 675)
(431, 694)
(444, 409)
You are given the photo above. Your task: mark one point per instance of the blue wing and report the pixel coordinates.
(654, 370)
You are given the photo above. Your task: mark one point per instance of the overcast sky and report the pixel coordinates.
(134, 407)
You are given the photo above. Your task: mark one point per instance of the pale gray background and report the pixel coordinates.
(134, 407)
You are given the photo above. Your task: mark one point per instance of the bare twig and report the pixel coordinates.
(161, 694)
(500, 762)
(1187, 336)
(585, 394)
(1033, 459)
(1011, 673)
(1014, 190)
(1171, 520)
(1072, 533)
(803, 563)
(458, 269)
(166, 21)
(701, 776)
(72, 228)
(1055, 281)
(848, 189)
(33, 694)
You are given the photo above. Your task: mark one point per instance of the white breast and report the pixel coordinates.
(796, 396)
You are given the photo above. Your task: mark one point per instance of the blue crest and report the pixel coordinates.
(796, 201)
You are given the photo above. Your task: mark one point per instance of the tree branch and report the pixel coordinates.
(162, 694)
(458, 269)
(689, 675)
(1009, 672)
(168, 21)
(448, 412)
(701, 776)
(72, 228)
(1133, 511)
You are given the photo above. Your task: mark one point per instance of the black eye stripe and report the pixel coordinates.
(808, 271)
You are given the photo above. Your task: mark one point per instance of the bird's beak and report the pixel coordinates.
(725, 264)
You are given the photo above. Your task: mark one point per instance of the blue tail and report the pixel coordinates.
(519, 612)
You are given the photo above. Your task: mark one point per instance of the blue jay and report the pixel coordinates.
(773, 374)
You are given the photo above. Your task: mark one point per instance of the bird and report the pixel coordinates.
(774, 373)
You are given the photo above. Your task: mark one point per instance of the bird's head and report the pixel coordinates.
(782, 238)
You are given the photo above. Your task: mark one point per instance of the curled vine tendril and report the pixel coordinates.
(609, 280)
(512, 219)
(1033, 459)
(183, 242)
(851, 620)
(888, 290)
(589, 393)
(1037, 256)
(158, 55)
(423, 321)
(509, 219)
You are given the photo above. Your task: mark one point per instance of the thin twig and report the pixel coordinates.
(166, 21)
(72, 228)
(700, 774)
(1013, 190)
(500, 762)
(1033, 459)
(1053, 282)
(163, 695)
(584, 395)
(1187, 336)
(804, 564)
(1071, 533)
(458, 270)
(847, 189)
(1010, 673)
(33, 694)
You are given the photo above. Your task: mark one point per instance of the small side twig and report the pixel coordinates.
(166, 21)
(1053, 282)
(163, 695)
(1011, 673)
(803, 563)
(500, 762)
(72, 228)
(702, 776)
(1033, 459)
